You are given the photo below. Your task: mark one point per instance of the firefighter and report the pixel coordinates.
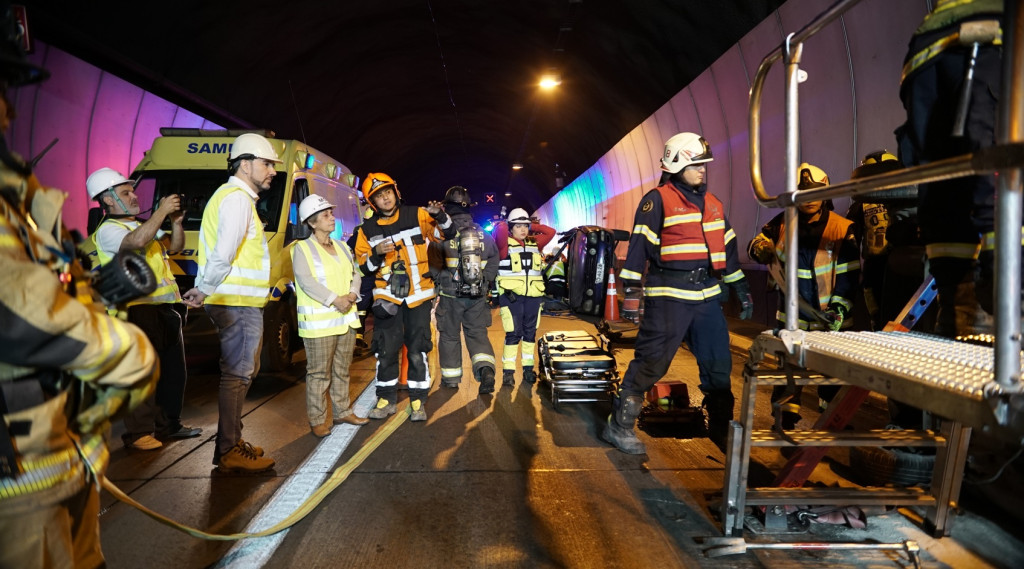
(327, 289)
(957, 216)
(232, 284)
(363, 305)
(392, 246)
(160, 314)
(65, 367)
(470, 265)
(521, 286)
(681, 238)
(828, 272)
(885, 225)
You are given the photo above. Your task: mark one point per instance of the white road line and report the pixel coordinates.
(255, 552)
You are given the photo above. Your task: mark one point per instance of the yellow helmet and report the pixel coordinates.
(877, 162)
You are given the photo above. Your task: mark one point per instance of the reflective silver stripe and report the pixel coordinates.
(451, 372)
(387, 383)
(243, 290)
(684, 294)
(477, 358)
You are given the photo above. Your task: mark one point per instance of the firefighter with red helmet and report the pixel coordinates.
(682, 240)
(391, 245)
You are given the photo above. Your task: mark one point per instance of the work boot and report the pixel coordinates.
(255, 449)
(529, 375)
(508, 377)
(452, 382)
(243, 458)
(619, 430)
(486, 380)
(417, 412)
(382, 409)
(719, 406)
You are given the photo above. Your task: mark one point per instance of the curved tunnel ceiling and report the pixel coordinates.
(433, 92)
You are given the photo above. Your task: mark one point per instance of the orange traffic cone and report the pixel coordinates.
(611, 298)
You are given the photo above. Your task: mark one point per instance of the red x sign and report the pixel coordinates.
(488, 198)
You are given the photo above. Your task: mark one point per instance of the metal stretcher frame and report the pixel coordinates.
(973, 387)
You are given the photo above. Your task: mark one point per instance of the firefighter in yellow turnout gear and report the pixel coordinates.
(54, 349)
(521, 284)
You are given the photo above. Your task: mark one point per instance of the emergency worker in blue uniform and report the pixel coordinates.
(681, 239)
(957, 217)
(470, 265)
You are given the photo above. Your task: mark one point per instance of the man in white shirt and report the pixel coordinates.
(233, 282)
(160, 314)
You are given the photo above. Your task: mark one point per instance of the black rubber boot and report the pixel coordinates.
(719, 406)
(508, 377)
(486, 380)
(619, 430)
(530, 376)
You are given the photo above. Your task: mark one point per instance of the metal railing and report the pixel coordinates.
(1006, 157)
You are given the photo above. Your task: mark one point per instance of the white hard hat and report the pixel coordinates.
(312, 205)
(254, 145)
(102, 180)
(684, 149)
(518, 215)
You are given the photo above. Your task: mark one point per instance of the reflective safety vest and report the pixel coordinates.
(334, 272)
(248, 281)
(520, 270)
(156, 257)
(407, 229)
(826, 265)
(689, 235)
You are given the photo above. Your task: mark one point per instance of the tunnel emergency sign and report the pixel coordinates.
(488, 198)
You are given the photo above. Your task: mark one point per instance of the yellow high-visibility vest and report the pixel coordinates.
(156, 257)
(248, 281)
(333, 272)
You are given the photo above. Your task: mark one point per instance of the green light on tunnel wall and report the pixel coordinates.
(575, 204)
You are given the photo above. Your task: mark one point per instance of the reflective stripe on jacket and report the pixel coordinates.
(520, 270)
(334, 272)
(689, 235)
(248, 281)
(156, 257)
(827, 263)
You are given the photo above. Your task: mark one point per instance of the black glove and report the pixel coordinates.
(746, 300)
(511, 296)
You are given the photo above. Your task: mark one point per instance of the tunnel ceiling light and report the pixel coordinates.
(517, 166)
(508, 194)
(550, 81)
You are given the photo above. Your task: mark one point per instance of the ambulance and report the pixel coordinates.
(193, 163)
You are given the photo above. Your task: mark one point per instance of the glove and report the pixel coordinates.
(746, 300)
(631, 303)
(511, 296)
(399, 280)
(109, 401)
(835, 314)
(762, 250)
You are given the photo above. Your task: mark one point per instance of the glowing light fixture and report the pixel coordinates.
(517, 166)
(550, 81)
(508, 194)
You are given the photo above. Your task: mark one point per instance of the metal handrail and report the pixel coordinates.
(1006, 157)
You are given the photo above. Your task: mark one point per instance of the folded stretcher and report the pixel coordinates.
(578, 366)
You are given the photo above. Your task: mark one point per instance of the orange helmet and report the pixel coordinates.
(375, 182)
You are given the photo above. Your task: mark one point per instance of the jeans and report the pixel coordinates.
(240, 329)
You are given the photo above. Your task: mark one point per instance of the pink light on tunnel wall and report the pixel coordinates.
(99, 119)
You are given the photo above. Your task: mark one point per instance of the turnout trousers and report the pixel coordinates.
(666, 325)
(519, 319)
(457, 317)
(409, 327)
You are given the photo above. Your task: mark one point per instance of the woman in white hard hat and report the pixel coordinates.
(521, 284)
(327, 289)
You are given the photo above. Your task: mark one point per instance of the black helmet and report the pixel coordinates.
(15, 69)
(459, 196)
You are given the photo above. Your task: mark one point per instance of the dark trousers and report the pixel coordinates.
(161, 412)
(666, 325)
(525, 313)
(463, 316)
(409, 327)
